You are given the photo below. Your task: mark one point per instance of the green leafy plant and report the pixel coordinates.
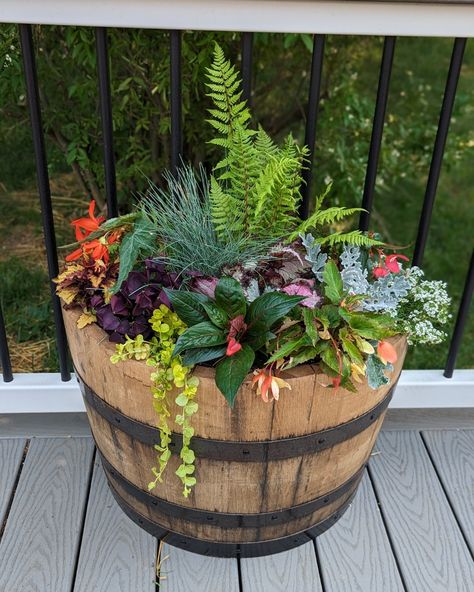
(228, 329)
(339, 334)
(255, 188)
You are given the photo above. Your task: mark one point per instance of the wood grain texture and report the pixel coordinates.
(309, 407)
(238, 487)
(11, 453)
(427, 541)
(290, 571)
(39, 547)
(355, 554)
(452, 452)
(116, 555)
(182, 571)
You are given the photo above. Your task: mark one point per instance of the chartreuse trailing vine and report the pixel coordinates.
(169, 374)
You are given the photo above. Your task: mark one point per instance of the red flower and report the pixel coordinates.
(391, 262)
(84, 226)
(233, 347)
(387, 264)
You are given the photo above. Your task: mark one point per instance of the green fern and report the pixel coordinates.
(230, 112)
(255, 189)
(355, 238)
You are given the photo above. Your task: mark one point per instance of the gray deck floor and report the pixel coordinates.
(410, 528)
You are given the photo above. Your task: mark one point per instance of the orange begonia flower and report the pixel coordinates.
(84, 226)
(386, 352)
(267, 383)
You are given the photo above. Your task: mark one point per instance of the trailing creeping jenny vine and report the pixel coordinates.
(169, 373)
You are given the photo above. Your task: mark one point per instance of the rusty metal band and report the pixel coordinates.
(219, 549)
(259, 451)
(230, 520)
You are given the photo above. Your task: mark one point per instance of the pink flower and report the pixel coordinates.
(380, 272)
(303, 287)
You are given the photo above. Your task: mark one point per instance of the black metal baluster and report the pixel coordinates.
(438, 150)
(4, 353)
(107, 122)
(176, 100)
(461, 320)
(29, 65)
(247, 63)
(311, 119)
(377, 131)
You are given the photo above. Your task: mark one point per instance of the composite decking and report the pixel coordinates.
(410, 527)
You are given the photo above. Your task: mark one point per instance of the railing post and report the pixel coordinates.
(377, 131)
(107, 121)
(311, 119)
(461, 320)
(29, 64)
(176, 100)
(438, 150)
(247, 65)
(4, 353)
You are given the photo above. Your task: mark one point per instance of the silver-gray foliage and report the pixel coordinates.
(314, 255)
(383, 294)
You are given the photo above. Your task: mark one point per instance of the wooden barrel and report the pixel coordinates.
(270, 476)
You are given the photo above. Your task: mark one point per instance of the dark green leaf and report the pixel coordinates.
(331, 313)
(309, 323)
(271, 308)
(216, 314)
(230, 297)
(333, 282)
(231, 372)
(201, 335)
(139, 243)
(203, 354)
(188, 306)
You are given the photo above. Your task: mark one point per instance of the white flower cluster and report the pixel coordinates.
(424, 310)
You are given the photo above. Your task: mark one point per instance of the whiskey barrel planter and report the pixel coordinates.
(270, 476)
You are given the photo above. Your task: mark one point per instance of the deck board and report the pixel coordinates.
(11, 454)
(182, 571)
(290, 571)
(40, 543)
(452, 452)
(116, 555)
(408, 529)
(426, 538)
(355, 554)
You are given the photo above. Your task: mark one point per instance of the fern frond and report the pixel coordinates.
(224, 85)
(226, 215)
(276, 197)
(355, 238)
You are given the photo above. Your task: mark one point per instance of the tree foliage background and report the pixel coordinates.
(139, 62)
